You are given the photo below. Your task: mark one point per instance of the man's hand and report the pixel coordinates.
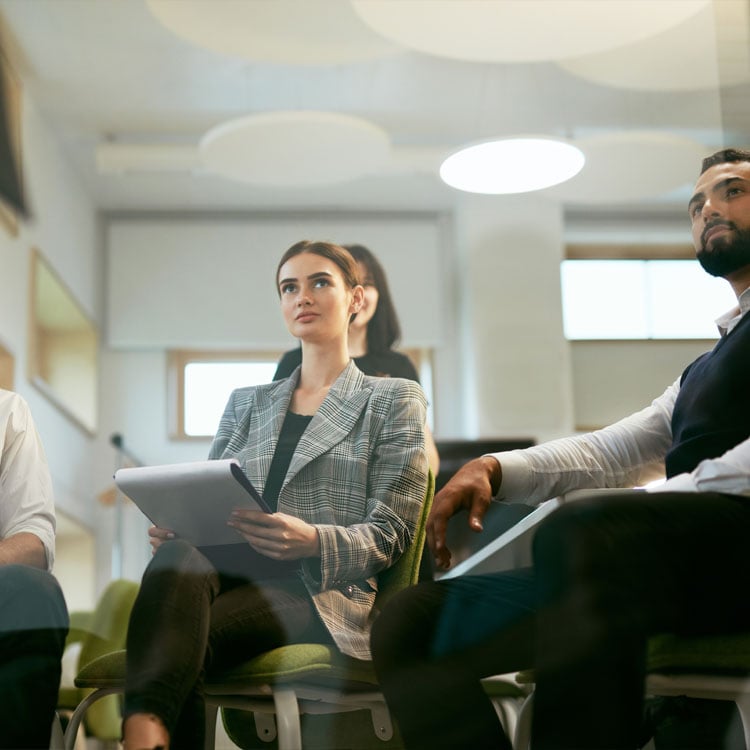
(472, 487)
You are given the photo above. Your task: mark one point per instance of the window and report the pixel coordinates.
(641, 299)
(202, 382)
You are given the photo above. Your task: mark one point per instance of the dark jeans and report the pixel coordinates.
(33, 626)
(608, 573)
(189, 618)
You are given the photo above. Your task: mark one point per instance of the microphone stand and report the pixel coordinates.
(121, 454)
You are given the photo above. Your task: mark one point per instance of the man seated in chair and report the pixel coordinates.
(610, 571)
(33, 615)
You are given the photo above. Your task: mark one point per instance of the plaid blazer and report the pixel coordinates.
(359, 474)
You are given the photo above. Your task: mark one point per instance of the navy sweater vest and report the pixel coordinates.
(712, 410)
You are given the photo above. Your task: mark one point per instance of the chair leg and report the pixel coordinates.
(522, 740)
(57, 738)
(71, 731)
(381, 720)
(211, 714)
(743, 706)
(506, 715)
(287, 719)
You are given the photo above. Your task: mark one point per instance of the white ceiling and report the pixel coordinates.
(111, 79)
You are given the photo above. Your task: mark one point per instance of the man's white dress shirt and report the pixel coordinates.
(626, 454)
(26, 500)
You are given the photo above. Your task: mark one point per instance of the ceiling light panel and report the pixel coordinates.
(295, 149)
(521, 30)
(512, 165)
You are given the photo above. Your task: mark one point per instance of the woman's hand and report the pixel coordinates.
(276, 535)
(157, 536)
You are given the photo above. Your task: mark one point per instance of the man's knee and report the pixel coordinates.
(403, 628)
(31, 600)
(582, 534)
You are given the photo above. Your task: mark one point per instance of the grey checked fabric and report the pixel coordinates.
(359, 474)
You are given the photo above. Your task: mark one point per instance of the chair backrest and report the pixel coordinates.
(405, 571)
(108, 626)
(107, 632)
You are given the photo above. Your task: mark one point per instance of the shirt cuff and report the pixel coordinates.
(679, 483)
(516, 481)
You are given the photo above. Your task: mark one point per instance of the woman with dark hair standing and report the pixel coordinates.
(372, 334)
(340, 459)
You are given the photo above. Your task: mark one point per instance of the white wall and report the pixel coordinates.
(192, 281)
(615, 378)
(63, 226)
(519, 363)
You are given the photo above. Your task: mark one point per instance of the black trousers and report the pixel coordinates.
(190, 617)
(607, 573)
(33, 626)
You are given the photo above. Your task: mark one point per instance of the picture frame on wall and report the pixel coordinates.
(7, 367)
(63, 346)
(12, 204)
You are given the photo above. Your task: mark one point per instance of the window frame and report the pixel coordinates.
(178, 359)
(595, 251)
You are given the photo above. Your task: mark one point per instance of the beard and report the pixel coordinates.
(728, 253)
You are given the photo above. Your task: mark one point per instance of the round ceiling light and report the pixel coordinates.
(295, 149)
(512, 165)
(519, 30)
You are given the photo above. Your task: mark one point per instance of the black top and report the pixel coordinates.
(291, 431)
(712, 410)
(241, 560)
(383, 364)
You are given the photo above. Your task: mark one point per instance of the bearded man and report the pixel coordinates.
(608, 571)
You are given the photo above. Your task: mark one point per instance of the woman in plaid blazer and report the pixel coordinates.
(340, 458)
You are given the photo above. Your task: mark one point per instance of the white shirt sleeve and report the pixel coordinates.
(26, 498)
(729, 473)
(627, 453)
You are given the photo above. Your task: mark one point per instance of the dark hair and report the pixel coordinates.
(725, 156)
(383, 330)
(339, 255)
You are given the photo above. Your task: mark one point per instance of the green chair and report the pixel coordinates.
(99, 632)
(710, 667)
(713, 667)
(284, 683)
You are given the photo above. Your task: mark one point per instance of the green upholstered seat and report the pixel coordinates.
(314, 661)
(729, 654)
(322, 680)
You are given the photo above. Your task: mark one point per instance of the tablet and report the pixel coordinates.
(509, 551)
(192, 499)
(512, 549)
